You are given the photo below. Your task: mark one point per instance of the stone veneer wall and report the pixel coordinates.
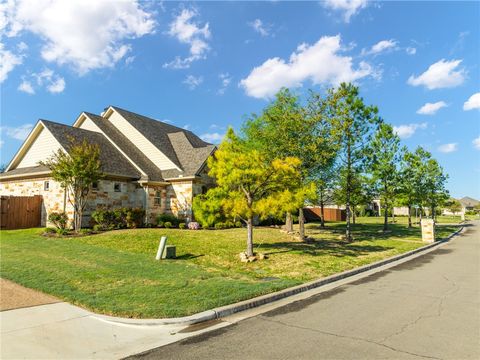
(53, 199)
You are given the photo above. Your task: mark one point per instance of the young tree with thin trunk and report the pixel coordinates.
(251, 185)
(383, 161)
(286, 128)
(76, 171)
(410, 182)
(353, 124)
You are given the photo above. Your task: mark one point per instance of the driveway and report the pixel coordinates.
(426, 308)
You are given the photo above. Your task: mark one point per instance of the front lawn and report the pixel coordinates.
(116, 273)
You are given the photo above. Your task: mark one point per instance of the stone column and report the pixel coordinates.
(428, 230)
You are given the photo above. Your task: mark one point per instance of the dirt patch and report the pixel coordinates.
(14, 296)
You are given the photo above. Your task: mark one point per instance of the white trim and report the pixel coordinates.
(39, 126)
(83, 117)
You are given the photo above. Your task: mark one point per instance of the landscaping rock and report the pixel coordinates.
(262, 257)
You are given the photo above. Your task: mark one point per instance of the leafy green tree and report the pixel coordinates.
(353, 124)
(383, 161)
(434, 179)
(453, 205)
(76, 171)
(250, 184)
(286, 128)
(410, 175)
(207, 208)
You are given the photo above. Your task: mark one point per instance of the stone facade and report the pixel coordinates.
(53, 195)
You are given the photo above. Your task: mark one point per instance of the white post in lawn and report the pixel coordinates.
(161, 247)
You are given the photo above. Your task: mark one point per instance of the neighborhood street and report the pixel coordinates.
(425, 308)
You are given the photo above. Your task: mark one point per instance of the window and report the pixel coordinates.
(95, 185)
(116, 187)
(46, 185)
(157, 199)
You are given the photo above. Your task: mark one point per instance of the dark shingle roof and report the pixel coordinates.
(181, 146)
(31, 170)
(144, 163)
(468, 201)
(113, 162)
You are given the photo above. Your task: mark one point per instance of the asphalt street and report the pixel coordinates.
(428, 307)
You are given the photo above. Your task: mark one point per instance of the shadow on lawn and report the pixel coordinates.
(323, 247)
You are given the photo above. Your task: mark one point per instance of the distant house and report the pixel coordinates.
(147, 163)
(468, 203)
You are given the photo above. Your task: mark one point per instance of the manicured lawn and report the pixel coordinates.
(116, 272)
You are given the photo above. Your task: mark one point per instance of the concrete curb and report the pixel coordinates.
(268, 298)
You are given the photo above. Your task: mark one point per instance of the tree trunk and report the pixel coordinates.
(250, 236)
(301, 224)
(433, 213)
(289, 222)
(322, 215)
(348, 231)
(385, 219)
(409, 216)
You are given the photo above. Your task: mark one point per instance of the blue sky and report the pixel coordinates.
(205, 66)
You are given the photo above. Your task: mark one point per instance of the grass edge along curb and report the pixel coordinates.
(227, 310)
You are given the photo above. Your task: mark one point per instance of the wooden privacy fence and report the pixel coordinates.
(20, 212)
(314, 214)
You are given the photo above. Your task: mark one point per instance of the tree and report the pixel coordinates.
(353, 124)
(250, 184)
(453, 205)
(410, 182)
(383, 159)
(436, 194)
(76, 171)
(287, 129)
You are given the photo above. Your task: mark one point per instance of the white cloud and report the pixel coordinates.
(26, 87)
(56, 86)
(8, 61)
(260, 27)
(214, 138)
(431, 108)
(406, 131)
(188, 32)
(53, 82)
(321, 63)
(193, 81)
(448, 148)
(411, 50)
(442, 74)
(19, 133)
(476, 143)
(348, 7)
(84, 34)
(380, 47)
(226, 79)
(473, 102)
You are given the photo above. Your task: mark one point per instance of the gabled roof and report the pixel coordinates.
(468, 201)
(182, 147)
(148, 167)
(113, 163)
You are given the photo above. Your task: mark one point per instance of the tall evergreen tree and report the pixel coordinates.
(353, 123)
(383, 161)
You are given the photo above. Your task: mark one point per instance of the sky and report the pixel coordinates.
(205, 66)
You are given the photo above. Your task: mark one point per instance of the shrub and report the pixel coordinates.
(85, 232)
(194, 225)
(97, 227)
(182, 226)
(50, 230)
(220, 226)
(134, 217)
(172, 219)
(168, 224)
(229, 224)
(238, 224)
(160, 224)
(120, 218)
(61, 231)
(59, 219)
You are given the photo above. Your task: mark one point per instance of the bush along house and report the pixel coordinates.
(147, 164)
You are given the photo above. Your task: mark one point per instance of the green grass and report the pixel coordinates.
(116, 273)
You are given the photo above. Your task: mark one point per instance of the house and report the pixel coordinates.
(468, 203)
(147, 163)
